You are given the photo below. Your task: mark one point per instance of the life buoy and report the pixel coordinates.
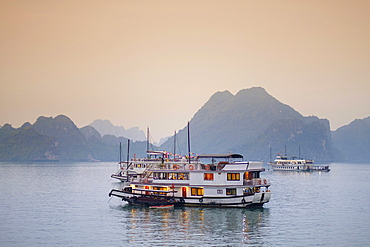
(182, 200)
(191, 167)
(208, 167)
(265, 181)
(243, 201)
(175, 167)
(201, 199)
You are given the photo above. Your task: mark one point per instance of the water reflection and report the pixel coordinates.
(195, 226)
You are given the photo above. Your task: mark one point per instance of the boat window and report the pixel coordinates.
(256, 174)
(230, 191)
(160, 188)
(247, 191)
(219, 192)
(233, 176)
(171, 175)
(208, 176)
(197, 191)
(183, 176)
(248, 175)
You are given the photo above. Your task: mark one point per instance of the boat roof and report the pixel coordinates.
(281, 157)
(220, 156)
(156, 152)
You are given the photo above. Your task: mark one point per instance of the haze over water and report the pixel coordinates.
(67, 204)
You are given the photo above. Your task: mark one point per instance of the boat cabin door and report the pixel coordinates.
(183, 190)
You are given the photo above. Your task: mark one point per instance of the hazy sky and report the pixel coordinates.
(155, 63)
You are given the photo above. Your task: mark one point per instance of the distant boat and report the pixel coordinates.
(284, 163)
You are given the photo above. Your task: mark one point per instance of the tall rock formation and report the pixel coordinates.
(250, 123)
(353, 140)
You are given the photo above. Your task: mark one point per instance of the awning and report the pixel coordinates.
(220, 156)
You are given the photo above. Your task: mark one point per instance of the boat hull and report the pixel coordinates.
(290, 168)
(320, 168)
(255, 200)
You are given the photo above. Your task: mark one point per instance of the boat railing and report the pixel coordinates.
(256, 181)
(146, 180)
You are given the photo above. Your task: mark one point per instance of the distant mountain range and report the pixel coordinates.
(105, 127)
(53, 139)
(251, 123)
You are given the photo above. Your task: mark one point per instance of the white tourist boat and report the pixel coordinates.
(202, 181)
(284, 163)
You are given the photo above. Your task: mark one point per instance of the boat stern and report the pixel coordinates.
(261, 197)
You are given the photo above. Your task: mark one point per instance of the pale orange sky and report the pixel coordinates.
(155, 63)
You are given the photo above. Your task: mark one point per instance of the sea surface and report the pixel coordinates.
(67, 204)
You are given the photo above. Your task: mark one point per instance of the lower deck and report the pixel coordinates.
(250, 196)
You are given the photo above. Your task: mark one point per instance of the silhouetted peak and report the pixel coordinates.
(26, 125)
(89, 131)
(7, 127)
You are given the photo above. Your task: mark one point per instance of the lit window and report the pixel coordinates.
(208, 176)
(160, 188)
(233, 176)
(197, 191)
(231, 191)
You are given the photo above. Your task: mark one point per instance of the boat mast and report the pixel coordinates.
(147, 141)
(128, 157)
(270, 154)
(299, 152)
(128, 150)
(120, 153)
(189, 141)
(174, 145)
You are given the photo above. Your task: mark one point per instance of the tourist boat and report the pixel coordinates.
(284, 163)
(214, 180)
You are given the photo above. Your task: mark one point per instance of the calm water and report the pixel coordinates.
(67, 204)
